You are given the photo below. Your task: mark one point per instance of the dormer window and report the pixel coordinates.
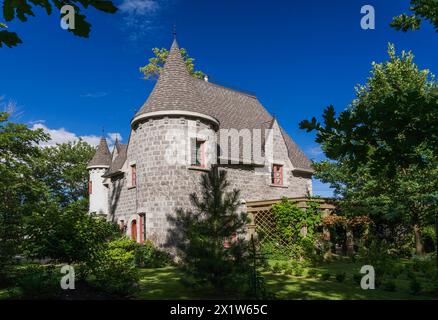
(277, 175)
(198, 153)
(133, 175)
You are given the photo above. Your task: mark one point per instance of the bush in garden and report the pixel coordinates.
(340, 277)
(325, 276)
(311, 273)
(299, 270)
(38, 281)
(415, 286)
(357, 278)
(284, 266)
(389, 285)
(276, 267)
(114, 270)
(148, 256)
(289, 271)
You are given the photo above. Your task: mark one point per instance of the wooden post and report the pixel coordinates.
(350, 240)
(327, 245)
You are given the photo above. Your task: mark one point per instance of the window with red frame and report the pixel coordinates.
(133, 175)
(277, 174)
(90, 187)
(198, 153)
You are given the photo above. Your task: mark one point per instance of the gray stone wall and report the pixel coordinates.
(164, 185)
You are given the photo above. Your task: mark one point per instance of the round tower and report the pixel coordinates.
(97, 188)
(172, 143)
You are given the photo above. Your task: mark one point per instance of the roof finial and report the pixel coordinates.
(103, 131)
(174, 32)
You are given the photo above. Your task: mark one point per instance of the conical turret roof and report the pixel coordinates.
(175, 88)
(102, 157)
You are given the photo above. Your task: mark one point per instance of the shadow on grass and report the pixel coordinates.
(165, 283)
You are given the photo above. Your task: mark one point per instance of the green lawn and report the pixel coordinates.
(165, 283)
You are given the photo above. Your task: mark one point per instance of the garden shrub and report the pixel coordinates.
(38, 281)
(357, 278)
(325, 276)
(115, 271)
(415, 286)
(340, 277)
(148, 256)
(311, 273)
(289, 271)
(276, 267)
(389, 285)
(299, 270)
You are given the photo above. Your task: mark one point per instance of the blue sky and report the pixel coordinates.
(297, 56)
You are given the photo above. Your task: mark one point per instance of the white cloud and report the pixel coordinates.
(61, 135)
(314, 151)
(139, 7)
(139, 16)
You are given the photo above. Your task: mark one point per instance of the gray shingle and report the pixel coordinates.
(177, 90)
(102, 157)
(118, 162)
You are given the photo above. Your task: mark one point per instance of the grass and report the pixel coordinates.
(165, 283)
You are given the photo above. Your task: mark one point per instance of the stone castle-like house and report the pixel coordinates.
(176, 137)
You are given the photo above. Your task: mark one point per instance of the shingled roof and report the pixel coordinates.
(118, 162)
(102, 157)
(176, 89)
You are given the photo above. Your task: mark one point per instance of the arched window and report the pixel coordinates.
(134, 230)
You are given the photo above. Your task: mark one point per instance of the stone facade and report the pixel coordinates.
(152, 176)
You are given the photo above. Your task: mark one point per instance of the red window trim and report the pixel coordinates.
(275, 168)
(142, 219)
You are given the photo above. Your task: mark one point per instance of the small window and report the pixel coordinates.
(198, 153)
(90, 187)
(277, 175)
(133, 175)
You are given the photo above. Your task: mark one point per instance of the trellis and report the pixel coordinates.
(263, 220)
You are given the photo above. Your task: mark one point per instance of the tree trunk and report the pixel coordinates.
(418, 241)
(349, 241)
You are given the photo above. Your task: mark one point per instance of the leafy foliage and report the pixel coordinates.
(20, 192)
(298, 226)
(148, 256)
(63, 169)
(153, 68)
(383, 148)
(421, 10)
(69, 234)
(24, 9)
(200, 234)
(115, 270)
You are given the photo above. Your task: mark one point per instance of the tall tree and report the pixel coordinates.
(63, 169)
(20, 192)
(209, 237)
(421, 10)
(153, 68)
(385, 144)
(23, 9)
